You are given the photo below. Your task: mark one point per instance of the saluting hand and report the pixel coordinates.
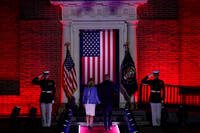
(150, 75)
(40, 76)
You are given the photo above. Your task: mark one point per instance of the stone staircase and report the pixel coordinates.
(140, 118)
(117, 116)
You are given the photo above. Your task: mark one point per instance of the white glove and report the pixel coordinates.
(150, 75)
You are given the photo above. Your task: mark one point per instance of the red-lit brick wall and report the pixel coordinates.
(168, 40)
(190, 42)
(9, 40)
(158, 49)
(40, 49)
(30, 42)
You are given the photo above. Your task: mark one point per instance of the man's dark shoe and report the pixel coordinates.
(90, 127)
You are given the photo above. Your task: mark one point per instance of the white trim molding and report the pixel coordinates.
(99, 10)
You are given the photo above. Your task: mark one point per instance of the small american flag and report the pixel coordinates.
(70, 80)
(98, 54)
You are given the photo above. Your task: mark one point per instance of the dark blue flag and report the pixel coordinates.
(128, 74)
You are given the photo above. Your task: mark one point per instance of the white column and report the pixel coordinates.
(123, 40)
(75, 53)
(132, 38)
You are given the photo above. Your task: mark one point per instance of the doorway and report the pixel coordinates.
(99, 55)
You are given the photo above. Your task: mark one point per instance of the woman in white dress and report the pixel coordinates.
(90, 99)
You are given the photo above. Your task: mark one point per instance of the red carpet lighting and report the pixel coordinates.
(98, 129)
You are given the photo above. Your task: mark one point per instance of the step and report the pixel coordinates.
(143, 123)
(98, 118)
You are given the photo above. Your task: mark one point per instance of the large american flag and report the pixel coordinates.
(70, 80)
(98, 54)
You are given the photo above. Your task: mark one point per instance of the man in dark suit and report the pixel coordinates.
(108, 90)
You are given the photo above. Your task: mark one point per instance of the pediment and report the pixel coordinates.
(99, 10)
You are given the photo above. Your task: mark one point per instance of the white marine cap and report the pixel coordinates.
(46, 72)
(156, 72)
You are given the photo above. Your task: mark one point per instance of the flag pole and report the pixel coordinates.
(133, 104)
(67, 44)
(123, 90)
(69, 67)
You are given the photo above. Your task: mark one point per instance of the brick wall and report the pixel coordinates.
(190, 42)
(30, 42)
(168, 40)
(159, 9)
(158, 49)
(9, 38)
(40, 50)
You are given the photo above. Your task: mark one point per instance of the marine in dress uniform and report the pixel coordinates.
(46, 97)
(156, 99)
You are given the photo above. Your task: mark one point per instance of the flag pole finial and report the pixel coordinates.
(126, 46)
(67, 44)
